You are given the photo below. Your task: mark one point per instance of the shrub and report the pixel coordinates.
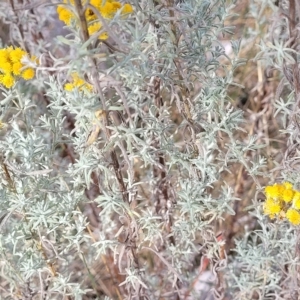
(118, 155)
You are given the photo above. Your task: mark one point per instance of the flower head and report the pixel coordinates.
(293, 216)
(287, 185)
(64, 14)
(69, 87)
(296, 200)
(28, 74)
(90, 15)
(288, 195)
(4, 55)
(116, 6)
(283, 202)
(127, 9)
(7, 80)
(77, 83)
(16, 54)
(95, 28)
(6, 67)
(107, 10)
(16, 68)
(272, 207)
(12, 61)
(272, 191)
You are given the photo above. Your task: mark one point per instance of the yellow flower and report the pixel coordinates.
(116, 6)
(287, 185)
(77, 83)
(288, 195)
(7, 80)
(6, 67)
(271, 207)
(11, 66)
(16, 68)
(80, 83)
(90, 15)
(103, 36)
(127, 9)
(28, 74)
(296, 200)
(107, 10)
(69, 87)
(293, 216)
(97, 3)
(16, 55)
(64, 14)
(281, 190)
(272, 191)
(4, 55)
(96, 27)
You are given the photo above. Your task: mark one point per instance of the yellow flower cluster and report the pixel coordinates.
(283, 201)
(12, 66)
(77, 83)
(107, 9)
